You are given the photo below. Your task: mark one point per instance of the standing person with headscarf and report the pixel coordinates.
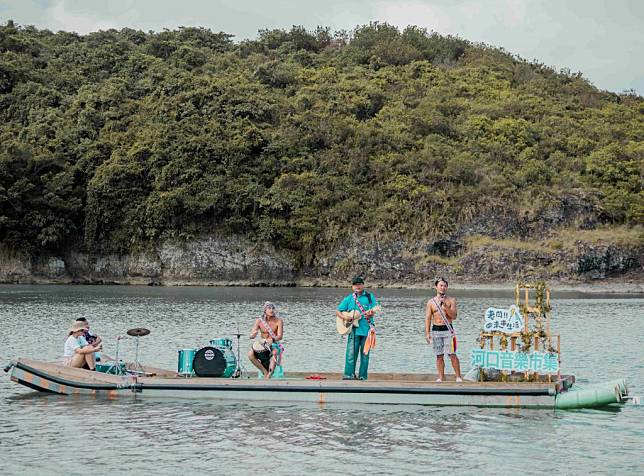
(362, 303)
(267, 353)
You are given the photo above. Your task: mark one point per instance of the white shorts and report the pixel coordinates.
(442, 343)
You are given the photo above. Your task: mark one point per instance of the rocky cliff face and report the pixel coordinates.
(490, 261)
(220, 261)
(208, 260)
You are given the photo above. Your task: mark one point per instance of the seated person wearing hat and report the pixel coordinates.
(77, 355)
(89, 337)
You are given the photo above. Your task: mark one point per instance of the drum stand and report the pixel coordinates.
(137, 332)
(239, 370)
(137, 367)
(115, 367)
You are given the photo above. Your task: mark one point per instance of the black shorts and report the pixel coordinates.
(264, 357)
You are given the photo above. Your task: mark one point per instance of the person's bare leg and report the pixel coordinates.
(91, 360)
(78, 360)
(456, 365)
(440, 366)
(272, 365)
(255, 361)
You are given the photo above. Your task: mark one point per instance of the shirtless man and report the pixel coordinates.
(265, 354)
(437, 331)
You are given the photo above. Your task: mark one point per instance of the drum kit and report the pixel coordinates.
(217, 359)
(214, 360)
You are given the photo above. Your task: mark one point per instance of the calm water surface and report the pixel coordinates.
(54, 435)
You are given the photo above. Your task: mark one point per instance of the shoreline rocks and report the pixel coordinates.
(212, 261)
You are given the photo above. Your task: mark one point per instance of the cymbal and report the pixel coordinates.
(138, 332)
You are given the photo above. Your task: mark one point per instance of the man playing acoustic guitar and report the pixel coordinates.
(362, 303)
(441, 311)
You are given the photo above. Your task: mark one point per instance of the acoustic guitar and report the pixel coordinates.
(344, 327)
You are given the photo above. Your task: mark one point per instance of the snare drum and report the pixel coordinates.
(186, 358)
(222, 343)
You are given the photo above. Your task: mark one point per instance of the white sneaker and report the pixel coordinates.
(439, 380)
(459, 380)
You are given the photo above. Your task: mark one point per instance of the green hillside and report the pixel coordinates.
(116, 140)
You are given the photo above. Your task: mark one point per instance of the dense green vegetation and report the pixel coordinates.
(112, 141)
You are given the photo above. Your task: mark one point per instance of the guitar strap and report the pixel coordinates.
(362, 311)
(370, 342)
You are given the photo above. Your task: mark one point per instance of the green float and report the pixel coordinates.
(593, 396)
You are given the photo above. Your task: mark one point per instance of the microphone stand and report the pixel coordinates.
(115, 368)
(238, 370)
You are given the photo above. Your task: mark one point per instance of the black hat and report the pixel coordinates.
(358, 280)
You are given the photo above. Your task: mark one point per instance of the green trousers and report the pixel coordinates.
(355, 346)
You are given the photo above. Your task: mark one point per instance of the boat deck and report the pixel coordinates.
(157, 375)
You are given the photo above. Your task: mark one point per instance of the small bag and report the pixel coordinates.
(370, 342)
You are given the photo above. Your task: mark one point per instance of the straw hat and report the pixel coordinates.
(77, 326)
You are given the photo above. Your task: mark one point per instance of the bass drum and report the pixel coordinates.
(214, 362)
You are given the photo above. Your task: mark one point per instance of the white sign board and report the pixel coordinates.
(503, 320)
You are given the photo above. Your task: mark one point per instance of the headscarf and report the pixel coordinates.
(270, 305)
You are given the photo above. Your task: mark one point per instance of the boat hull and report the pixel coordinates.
(407, 389)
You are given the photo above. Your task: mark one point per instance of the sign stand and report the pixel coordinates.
(536, 313)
